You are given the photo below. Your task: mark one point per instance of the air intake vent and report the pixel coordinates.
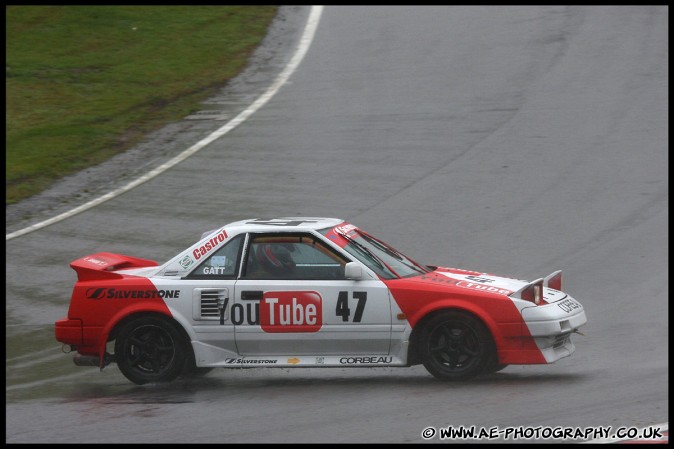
(206, 301)
(561, 341)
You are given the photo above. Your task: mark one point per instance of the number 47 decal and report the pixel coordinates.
(343, 309)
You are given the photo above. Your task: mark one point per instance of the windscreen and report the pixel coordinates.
(380, 257)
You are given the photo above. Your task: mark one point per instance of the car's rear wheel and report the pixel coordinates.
(455, 346)
(150, 349)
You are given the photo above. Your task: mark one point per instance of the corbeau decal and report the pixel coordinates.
(568, 305)
(209, 245)
(291, 312)
(112, 293)
(364, 360)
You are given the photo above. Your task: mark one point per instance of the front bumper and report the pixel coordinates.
(551, 327)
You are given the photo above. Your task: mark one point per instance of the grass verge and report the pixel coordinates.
(84, 83)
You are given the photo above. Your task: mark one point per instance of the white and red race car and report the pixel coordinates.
(308, 292)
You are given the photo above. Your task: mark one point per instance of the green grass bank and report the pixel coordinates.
(84, 83)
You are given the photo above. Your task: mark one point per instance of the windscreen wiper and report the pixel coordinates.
(381, 246)
(363, 249)
(404, 260)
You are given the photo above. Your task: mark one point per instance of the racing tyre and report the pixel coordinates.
(192, 370)
(492, 366)
(150, 349)
(455, 346)
(495, 368)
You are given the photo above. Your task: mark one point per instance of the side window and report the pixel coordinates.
(222, 264)
(300, 257)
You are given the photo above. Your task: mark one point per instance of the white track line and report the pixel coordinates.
(303, 47)
(49, 380)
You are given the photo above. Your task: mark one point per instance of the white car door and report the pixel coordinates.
(293, 299)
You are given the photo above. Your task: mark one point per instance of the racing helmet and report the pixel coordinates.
(275, 257)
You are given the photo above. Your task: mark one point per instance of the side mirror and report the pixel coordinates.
(353, 271)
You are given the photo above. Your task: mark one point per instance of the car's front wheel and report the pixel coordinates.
(454, 346)
(150, 349)
(492, 366)
(192, 370)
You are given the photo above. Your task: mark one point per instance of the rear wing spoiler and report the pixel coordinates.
(103, 265)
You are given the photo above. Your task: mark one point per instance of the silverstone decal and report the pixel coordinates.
(365, 360)
(204, 249)
(240, 361)
(342, 309)
(291, 312)
(113, 293)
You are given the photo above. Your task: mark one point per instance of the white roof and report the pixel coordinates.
(284, 224)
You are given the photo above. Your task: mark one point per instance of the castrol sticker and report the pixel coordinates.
(211, 244)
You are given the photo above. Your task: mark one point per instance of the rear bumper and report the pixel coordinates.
(69, 331)
(72, 332)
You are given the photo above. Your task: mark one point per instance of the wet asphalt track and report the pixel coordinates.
(513, 140)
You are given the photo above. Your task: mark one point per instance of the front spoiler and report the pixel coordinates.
(551, 327)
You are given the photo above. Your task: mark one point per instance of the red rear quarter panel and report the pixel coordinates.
(100, 305)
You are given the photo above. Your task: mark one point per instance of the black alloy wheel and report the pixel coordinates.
(150, 349)
(455, 346)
